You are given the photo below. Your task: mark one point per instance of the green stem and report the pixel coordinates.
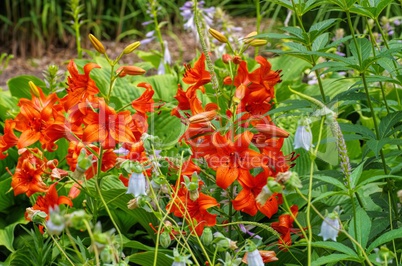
(61, 249)
(98, 189)
(259, 17)
(200, 29)
(93, 241)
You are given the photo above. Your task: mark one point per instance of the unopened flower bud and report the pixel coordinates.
(274, 186)
(97, 44)
(165, 239)
(132, 204)
(258, 42)
(84, 161)
(249, 37)
(35, 216)
(207, 236)
(131, 47)
(217, 35)
(226, 58)
(34, 89)
(236, 59)
(130, 70)
(77, 220)
(384, 255)
(290, 179)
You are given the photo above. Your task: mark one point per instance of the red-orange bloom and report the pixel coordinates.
(27, 177)
(34, 117)
(9, 139)
(284, 226)
(233, 160)
(197, 75)
(107, 127)
(51, 200)
(267, 256)
(196, 210)
(80, 86)
(246, 199)
(144, 103)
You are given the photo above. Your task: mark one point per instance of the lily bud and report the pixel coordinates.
(97, 44)
(236, 59)
(226, 58)
(34, 89)
(258, 42)
(203, 117)
(249, 36)
(131, 47)
(130, 70)
(217, 35)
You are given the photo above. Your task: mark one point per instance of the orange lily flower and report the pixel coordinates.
(27, 177)
(107, 127)
(34, 117)
(246, 199)
(233, 160)
(9, 139)
(196, 210)
(284, 226)
(144, 103)
(51, 200)
(197, 75)
(80, 86)
(267, 256)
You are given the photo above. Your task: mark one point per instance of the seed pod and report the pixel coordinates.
(97, 44)
(217, 35)
(131, 47)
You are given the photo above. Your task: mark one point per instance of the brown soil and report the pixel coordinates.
(184, 50)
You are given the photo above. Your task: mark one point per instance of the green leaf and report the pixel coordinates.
(322, 25)
(363, 48)
(320, 42)
(384, 238)
(6, 199)
(363, 227)
(335, 246)
(167, 127)
(147, 258)
(19, 86)
(333, 258)
(7, 234)
(388, 122)
(356, 174)
(377, 145)
(330, 180)
(7, 102)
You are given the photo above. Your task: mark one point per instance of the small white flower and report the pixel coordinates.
(137, 184)
(303, 138)
(330, 227)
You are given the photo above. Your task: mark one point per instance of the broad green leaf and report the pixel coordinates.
(335, 246)
(147, 258)
(7, 103)
(165, 86)
(7, 234)
(377, 145)
(361, 130)
(6, 198)
(384, 238)
(295, 31)
(333, 258)
(322, 25)
(363, 227)
(330, 194)
(19, 86)
(167, 127)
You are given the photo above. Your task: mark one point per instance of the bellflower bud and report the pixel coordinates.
(165, 239)
(330, 227)
(303, 136)
(137, 184)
